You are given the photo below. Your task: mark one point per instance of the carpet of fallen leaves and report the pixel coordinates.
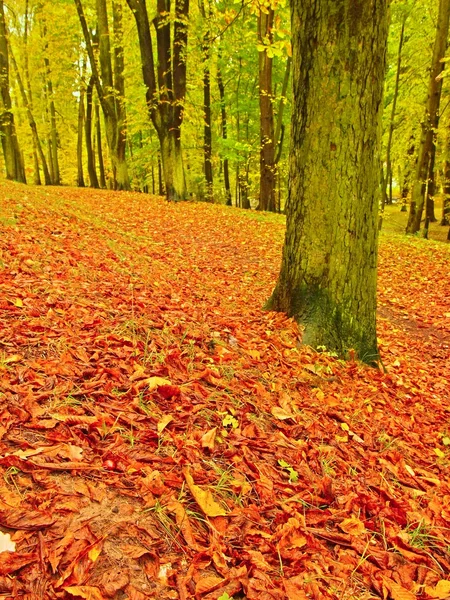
(163, 437)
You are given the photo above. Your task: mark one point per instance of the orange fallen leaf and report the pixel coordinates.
(352, 526)
(441, 590)
(208, 440)
(163, 422)
(208, 584)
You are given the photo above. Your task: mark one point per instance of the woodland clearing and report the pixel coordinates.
(161, 436)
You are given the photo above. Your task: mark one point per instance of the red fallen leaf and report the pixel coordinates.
(30, 520)
(169, 391)
(13, 561)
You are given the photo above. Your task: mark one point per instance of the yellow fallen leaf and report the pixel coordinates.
(95, 551)
(12, 359)
(441, 591)
(352, 526)
(85, 591)
(18, 302)
(154, 382)
(281, 413)
(163, 422)
(254, 354)
(439, 453)
(345, 427)
(208, 440)
(204, 498)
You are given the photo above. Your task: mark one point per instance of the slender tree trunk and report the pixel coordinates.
(223, 116)
(34, 132)
(328, 275)
(406, 185)
(80, 177)
(267, 200)
(37, 173)
(53, 127)
(93, 181)
(207, 128)
(445, 221)
(431, 119)
(101, 165)
(388, 179)
(11, 151)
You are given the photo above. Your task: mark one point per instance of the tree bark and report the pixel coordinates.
(207, 127)
(328, 274)
(10, 144)
(431, 119)
(267, 200)
(55, 171)
(445, 221)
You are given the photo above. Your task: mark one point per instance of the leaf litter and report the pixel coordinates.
(161, 436)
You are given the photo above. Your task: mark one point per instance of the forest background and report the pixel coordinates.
(233, 104)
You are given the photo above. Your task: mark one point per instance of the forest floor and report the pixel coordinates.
(163, 437)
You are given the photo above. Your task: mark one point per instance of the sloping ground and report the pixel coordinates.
(163, 437)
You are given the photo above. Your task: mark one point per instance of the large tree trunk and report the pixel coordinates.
(267, 200)
(11, 151)
(328, 273)
(166, 86)
(431, 119)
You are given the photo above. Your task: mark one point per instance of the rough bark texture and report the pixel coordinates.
(267, 199)
(11, 151)
(431, 119)
(53, 148)
(207, 127)
(80, 176)
(328, 274)
(101, 166)
(446, 202)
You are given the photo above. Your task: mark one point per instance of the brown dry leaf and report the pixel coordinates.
(208, 584)
(396, 591)
(29, 520)
(163, 422)
(12, 561)
(85, 591)
(440, 591)
(257, 559)
(352, 526)
(208, 440)
(204, 498)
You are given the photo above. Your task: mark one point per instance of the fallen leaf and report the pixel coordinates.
(204, 498)
(208, 440)
(352, 526)
(85, 591)
(163, 422)
(208, 584)
(441, 590)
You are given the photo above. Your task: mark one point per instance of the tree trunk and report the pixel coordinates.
(407, 175)
(431, 119)
(56, 180)
(445, 221)
(37, 146)
(224, 124)
(37, 174)
(207, 128)
(10, 144)
(93, 180)
(101, 165)
(110, 86)
(392, 121)
(328, 275)
(172, 165)
(267, 200)
(80, 177)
